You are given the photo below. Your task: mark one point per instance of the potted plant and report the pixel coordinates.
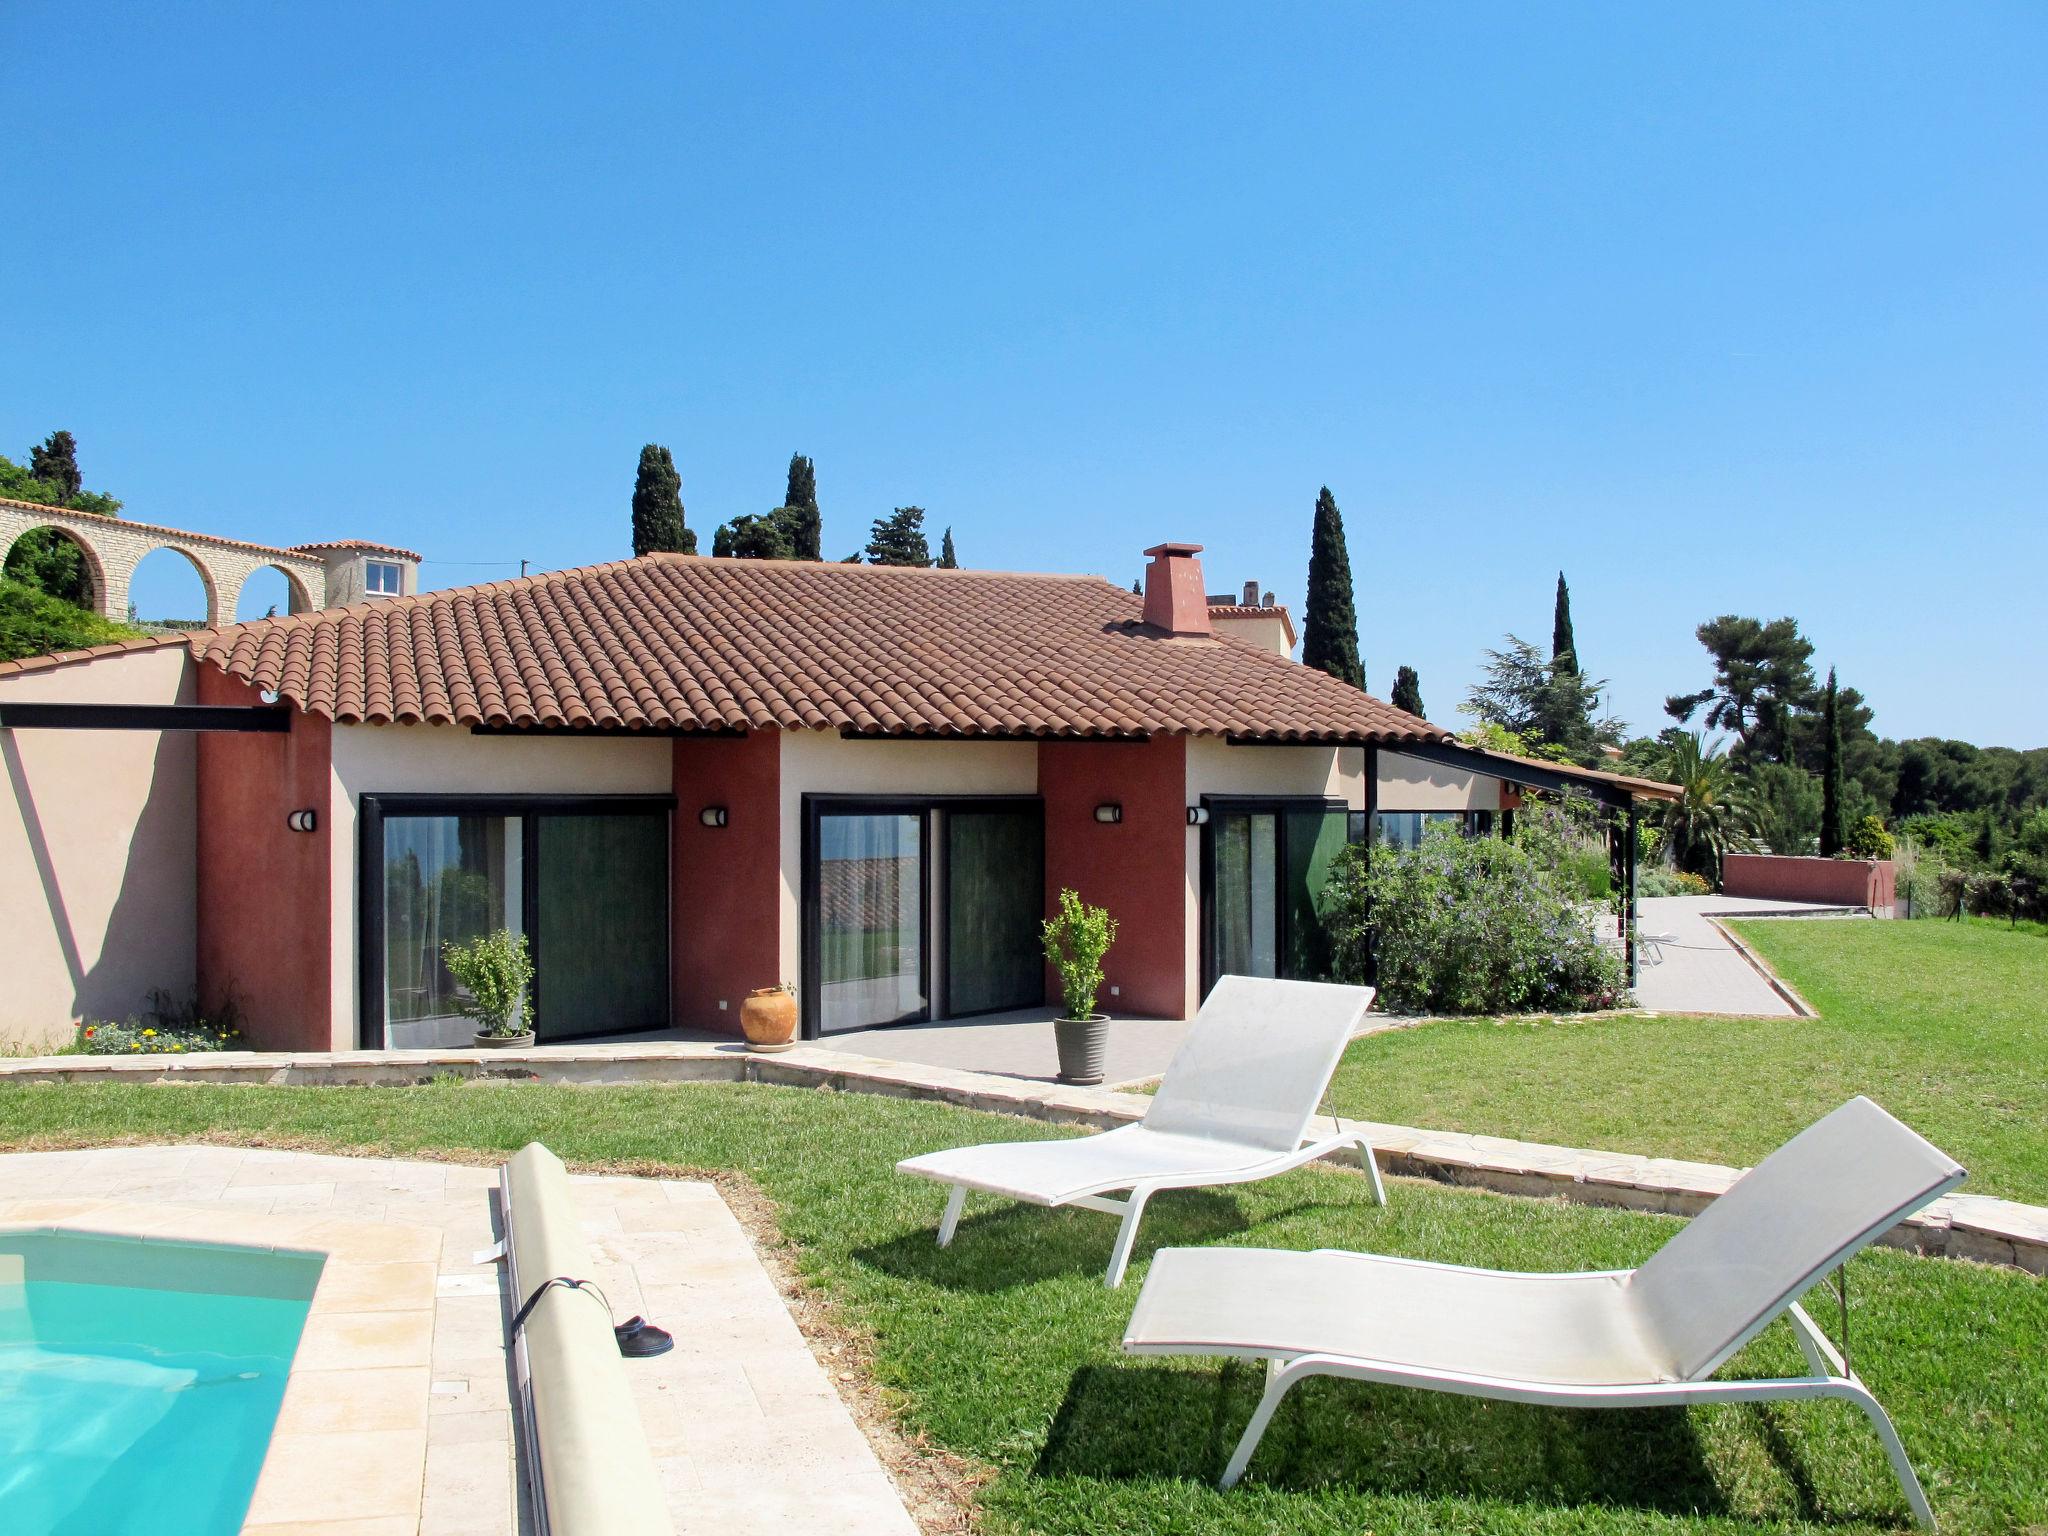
(1075, 942)
(768, 1017)
(495, 972)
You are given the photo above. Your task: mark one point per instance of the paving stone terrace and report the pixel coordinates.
(1975, 1227)
(398, 1418)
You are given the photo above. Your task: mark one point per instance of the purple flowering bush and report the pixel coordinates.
(1467, 925)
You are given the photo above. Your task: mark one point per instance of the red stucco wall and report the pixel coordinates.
(265, 892)
(1137, 868)
(726, 882)
(1840, 882)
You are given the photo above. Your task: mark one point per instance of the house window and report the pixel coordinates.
(383, 578)
(583, 878)
(1405, 829)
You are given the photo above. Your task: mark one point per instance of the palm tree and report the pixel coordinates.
(1712, 817)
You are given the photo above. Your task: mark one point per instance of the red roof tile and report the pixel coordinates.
(677, 641)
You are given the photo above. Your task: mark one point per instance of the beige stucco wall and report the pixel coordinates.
(1410, 784)
(1217, 768)
(1268, 632)
(448, 759)
(98, 857)
(821, 762)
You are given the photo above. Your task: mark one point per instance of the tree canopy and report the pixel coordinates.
(1329, 630)
(898, 539)
(947, 560)
(1544, 702)
(805, 524)
(48, 559)
(1763, 674)
(658, 526)
(1408, 691)
(1564, 650)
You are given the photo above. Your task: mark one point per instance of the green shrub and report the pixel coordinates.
(1869, 840)
(33, 623)
(1075, 943)
(1568, 840)
(1663, 880)
(494, 971)
(1467, 925)
(169, 1025)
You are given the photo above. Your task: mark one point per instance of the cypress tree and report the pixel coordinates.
(947, 562)
(1408, 691)
(55, 461)
(807, 530)
(1329, 637)
(1564, 651)
(658, 526)
(1833, 835)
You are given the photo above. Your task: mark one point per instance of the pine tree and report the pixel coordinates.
(898, 539)
(55, 461)
(808, 528)
(1408, 691)
(947, 561)
(1833, 832)
(658, 526)
(1330, 622)
(1564, 651)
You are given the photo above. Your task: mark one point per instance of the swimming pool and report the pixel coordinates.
(140, 1380)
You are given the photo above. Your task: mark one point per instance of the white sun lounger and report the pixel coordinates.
(1234, 1107)
(1616, 1339)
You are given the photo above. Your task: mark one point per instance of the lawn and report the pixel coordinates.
(1944, 1024)
(1003, 1348)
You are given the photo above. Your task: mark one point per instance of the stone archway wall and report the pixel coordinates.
(115, 546)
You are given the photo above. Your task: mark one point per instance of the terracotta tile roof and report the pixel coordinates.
(678, 641)
(91, 653)
(370, 545)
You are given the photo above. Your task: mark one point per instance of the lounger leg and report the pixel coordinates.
(952, 1217)
(1372, 1170)
(1888, 1437)
(1126, 1234)
(1277, 1382)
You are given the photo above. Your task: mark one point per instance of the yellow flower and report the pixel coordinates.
(177, 1047)
(149, 1034)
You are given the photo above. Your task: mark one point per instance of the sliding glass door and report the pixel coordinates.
(869, 875)
(583, 878)
(995, 900)
(1265, 864)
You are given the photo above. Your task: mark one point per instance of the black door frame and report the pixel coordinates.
(1277, 807)
(371, 811)
(810, 942)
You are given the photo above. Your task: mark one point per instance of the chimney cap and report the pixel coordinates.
(1170, 550)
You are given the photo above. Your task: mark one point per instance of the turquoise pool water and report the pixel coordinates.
(139, 1381)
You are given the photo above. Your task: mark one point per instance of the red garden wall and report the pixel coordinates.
(1136, 868)
(725, 909)
(1840, 882)
(265, 892)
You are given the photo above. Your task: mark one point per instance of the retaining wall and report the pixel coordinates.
(1839, 882)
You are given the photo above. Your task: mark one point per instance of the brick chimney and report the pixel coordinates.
(1174, 599)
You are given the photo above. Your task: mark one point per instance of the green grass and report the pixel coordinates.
(1944, 1024)
(1004, 1347)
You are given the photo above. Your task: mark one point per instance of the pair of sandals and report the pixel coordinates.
(637, 1338)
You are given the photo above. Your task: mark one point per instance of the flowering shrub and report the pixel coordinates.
(1663, 880)
(169, 1026)
(1467, 925)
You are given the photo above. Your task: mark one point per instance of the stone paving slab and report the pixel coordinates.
(399, 1413)
(1978, 1227)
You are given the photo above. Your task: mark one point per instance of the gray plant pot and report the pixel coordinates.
(504, 1042)
(1083, 1046)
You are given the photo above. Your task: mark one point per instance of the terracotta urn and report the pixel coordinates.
(768, 1018)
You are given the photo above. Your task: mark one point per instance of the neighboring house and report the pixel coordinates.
(686, 778)
(1254, 618)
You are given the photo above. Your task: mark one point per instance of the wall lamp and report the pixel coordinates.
(302, 821)
(1109, 813)
(713, 816)
(1198, 815)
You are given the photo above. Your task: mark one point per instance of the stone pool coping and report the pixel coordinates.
(1962, 1226)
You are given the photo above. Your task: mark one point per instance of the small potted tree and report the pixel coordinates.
(1075, 942)
(495, 972)
(768, 1017)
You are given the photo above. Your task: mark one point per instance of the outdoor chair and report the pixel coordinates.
(1615, 1339)
(1234, 1106)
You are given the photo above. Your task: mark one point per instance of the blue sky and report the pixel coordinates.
(1731, 308)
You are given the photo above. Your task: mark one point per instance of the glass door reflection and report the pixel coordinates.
(871, 930)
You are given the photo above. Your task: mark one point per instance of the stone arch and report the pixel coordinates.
(299, 597)
(14, 529)
(207, 581)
